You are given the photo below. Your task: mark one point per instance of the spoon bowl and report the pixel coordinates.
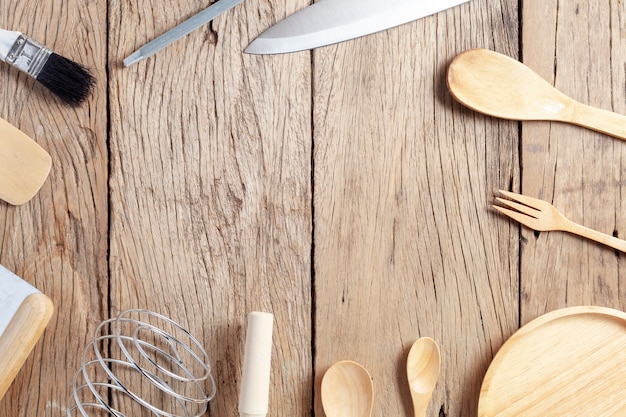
(500, 86)
(422, 370)
(347, 390)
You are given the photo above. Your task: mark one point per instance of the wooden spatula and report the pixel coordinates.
(24, 165)
(24, 314)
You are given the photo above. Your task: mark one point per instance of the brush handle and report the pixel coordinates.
(19, 338)
(7, 39)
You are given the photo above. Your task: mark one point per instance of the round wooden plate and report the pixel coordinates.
(570, 362)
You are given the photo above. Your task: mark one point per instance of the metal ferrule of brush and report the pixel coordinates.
(28, 55)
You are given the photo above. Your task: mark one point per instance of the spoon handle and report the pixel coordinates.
(421, 402)
(601, 120)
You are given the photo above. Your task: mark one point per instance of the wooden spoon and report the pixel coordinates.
(347, 391)
(422, 370)
(500, 86)
(24, 165)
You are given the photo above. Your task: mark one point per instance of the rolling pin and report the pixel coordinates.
(24, 314)
(24, 165)
(255, 380)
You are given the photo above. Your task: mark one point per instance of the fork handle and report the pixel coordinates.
(599, 237)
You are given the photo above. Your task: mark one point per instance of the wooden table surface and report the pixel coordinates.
(341, 189)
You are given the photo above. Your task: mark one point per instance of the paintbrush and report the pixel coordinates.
(68, 80)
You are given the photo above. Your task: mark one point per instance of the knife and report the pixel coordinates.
(24, 314)
(331, 21)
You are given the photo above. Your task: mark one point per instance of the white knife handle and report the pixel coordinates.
(255, 381)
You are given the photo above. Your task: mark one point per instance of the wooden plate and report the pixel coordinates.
(570, 362)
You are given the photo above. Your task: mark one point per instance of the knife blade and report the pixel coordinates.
(332, 21)
(24, 314)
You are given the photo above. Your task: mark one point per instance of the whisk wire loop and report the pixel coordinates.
(165, 364)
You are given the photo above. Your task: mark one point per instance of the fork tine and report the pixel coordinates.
(530, 211)
(524, 199)
(517, 216)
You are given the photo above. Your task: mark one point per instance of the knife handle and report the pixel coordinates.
(20, 336)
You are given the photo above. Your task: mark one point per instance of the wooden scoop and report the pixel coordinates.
(422, 370)
(24, 165)
(347, 391)
(500, 86)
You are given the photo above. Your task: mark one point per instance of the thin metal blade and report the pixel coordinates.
(13, 291)
(331, 21)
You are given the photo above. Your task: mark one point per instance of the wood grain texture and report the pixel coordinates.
(405, 242)
(583, 54)
(58, 241)
(211, 188)
(342, 189)
(547, 369)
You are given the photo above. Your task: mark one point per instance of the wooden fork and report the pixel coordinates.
(542, 216)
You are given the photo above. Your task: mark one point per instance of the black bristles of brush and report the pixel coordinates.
(68, 80)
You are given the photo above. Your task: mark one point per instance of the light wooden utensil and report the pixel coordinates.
(24, 165)
(500, 86)
(422, 370)
(347, 390)
(24, 314)
(542, 216)
(570, 362)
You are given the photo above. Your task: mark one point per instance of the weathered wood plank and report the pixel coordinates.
(579, 48)
(406, 245)
(210, 188)
(58, 241)
(212, 205)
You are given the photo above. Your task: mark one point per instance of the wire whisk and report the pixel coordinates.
(142, 364)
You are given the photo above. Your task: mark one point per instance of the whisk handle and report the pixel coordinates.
(255, 381)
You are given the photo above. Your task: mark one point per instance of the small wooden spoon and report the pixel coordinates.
(24, 165)
(422, 370)
(500, 86)
(347, 391)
